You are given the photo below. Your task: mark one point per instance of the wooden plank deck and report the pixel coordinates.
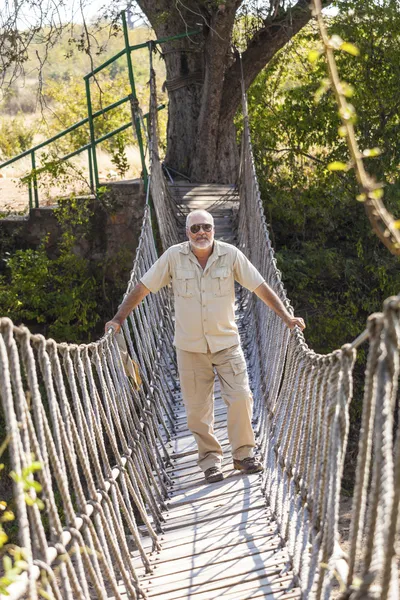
(220, 540)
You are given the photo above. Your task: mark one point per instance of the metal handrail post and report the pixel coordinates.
(34, 178)
(133, 90)
(90, 165)
(92, 133)
(30, 194)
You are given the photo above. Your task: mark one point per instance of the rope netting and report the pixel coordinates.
(100, 438)
(301, 406)
(100, 433)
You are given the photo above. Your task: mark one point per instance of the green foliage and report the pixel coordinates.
(14, 557)
(118, 154)
(59, 294)
(15, 136)
(335, 269)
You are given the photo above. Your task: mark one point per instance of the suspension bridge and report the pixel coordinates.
(126, 512)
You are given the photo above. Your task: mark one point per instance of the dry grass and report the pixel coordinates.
(14, 195)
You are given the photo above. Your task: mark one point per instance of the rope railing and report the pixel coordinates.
(164, 205)
(301, 407)
(100, 439)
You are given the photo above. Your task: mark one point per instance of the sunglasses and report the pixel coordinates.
(207, 227)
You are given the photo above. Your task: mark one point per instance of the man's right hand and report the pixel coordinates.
(131, 301)
(112, 325)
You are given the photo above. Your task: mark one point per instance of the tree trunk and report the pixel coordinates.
(203, 79)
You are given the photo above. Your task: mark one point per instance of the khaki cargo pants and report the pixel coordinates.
(196, 373)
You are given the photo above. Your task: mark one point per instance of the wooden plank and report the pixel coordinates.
(185, 183)
(202, 189)
(195, 478)
(200, 510)
(192, 451)
(227, 521)
(214, 200)
(206, 579)
(256, 520)
(253, 531)
(228, 525)
(213, 558)
(231, 485)
(273, 591)
(211, 517)
(272, 587)
(242, 500)
(191, 466)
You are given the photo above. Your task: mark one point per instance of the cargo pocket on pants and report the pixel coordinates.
(240, 373)
(238, 366)
(188, 385)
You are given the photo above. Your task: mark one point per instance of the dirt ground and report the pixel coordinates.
(14, 196)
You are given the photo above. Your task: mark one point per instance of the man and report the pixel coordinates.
(202, 272)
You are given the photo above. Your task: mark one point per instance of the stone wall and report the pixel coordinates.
(113, 234)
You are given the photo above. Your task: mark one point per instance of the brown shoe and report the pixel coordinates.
(248, 465)
(213, 474)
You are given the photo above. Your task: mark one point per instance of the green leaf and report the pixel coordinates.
(35, 485)
(350, 48)
(376, 194)
(40, 504)
(361, 197)
(323, 88)
(371, 152)
(346, 89)
(337, 166)
(7, 516)
(313, 56)
(3, 538)
(348, 113)
(28, 500)
(7, 564)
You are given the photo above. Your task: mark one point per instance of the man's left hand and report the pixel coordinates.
(292, 322)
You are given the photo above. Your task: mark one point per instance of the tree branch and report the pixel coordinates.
(280, 27)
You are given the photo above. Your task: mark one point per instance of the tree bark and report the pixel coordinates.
(203, 78)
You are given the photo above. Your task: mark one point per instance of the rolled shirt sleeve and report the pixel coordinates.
(245, 272)
(159, 275)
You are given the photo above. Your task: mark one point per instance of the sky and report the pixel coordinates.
(62, 11)
(66, 10)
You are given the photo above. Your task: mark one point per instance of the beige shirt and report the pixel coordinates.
(204, 299)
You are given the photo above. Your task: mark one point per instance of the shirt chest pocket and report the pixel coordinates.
(221, 281)
(185, 282)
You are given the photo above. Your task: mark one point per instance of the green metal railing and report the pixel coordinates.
(91, 146)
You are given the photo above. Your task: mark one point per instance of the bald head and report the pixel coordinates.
(199, 216)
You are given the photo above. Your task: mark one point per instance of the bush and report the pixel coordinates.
(15, 136)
